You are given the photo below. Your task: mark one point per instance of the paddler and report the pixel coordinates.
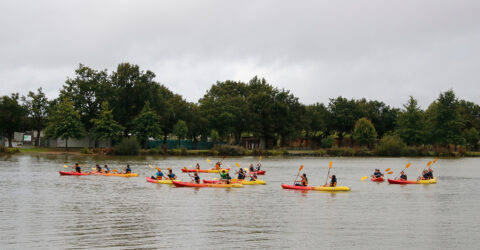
(241, 174)
(78, 169)
(223, 175)
(99, 169)
(196, 178)
(403, 176)
(171, 175)
(425, 175)
(303, 181)
(197, 166)
(253, 177)
(158, 174)
(259, 165)
(228, 178)
(377, 174)
(128, 170)
(218, 165)
(430, 173)
(251, 168)
(333, 181)
(107, 170)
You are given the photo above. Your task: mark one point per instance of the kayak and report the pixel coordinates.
(114, 174)
(72, 173)
(244, 182)
(260, 172)
(159, 181)
(379, 179)
(190, 184)
(431, 181)
(204, 170)
(317, 188)
(332, 189)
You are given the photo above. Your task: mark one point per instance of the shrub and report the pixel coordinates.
(178, 151)
(229, 150)
(321, 152)
(128, 146)
(390, 145)
(328, 141)
(12, 150)
(85, 150)
(279, 151)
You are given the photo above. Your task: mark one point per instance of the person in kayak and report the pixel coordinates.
(228, 178)
(158, 175)
(424, 175)
(430, 173)
(196, 178)
(403, 176)
(333, 181)
(259, 165)
(128, 170)
(253, 177)
(197, 166)
(303, 181)
(241, 174)
(218, 165)
(78, 169)
(99, 169)
(251, 168)
(171, 175)
(377, 174)
(223, 175)
(107, 170)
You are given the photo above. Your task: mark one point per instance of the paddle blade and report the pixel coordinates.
(260, 158)
(65, 166)
(429, 163)
(238, 165)
(388, 169)
(408, 165)
(208, 160)
(94, 169)
(435, 160)
(363, 178)
(330, 166)
(391, 172)
(301, 167)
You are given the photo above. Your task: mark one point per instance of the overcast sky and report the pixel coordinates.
(382, 50)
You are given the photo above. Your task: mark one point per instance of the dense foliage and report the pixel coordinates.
(129, 102)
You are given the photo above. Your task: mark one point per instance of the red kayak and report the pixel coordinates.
(379, 179)
(285, 186)
(260, 172)
(401, 182)
(188, 184)
(72, 173)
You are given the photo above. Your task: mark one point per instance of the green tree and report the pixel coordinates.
(87, 90)
(445, 124)
(472, 137)
(411, 123)
(316, 122)
(13, 116)
(214, 136)
(105, 127)
(181, 131)
(147, 124)
(381, 115)
(65, 123)
(37, 105)
(364, 132)
(344, 113)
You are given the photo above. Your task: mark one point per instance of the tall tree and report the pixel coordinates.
(105, 127)
(445, 124)
(316, 122)
(147, 124)
(411, 124)
(87, 90)
(65, 123)
(13, 116)
(180, 130)
(344, 113)
(37, 105)
(364, 132)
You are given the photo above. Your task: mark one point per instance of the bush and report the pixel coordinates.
(228, 150)
(128, 146)
(12, 150)
(321, 152)
(279, 151)
(85, 150)
(390, 145)
(3, 149)
(178, 151)
(328, 141)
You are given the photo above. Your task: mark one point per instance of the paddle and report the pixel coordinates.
(300, 169)
(328, 174)
(388, 169)
(363, 178)
(406, 166)
(191, 177)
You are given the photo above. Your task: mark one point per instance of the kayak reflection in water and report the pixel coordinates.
(99, 169)
(107, 170)
(159, 175)
(128, 170)
(403, 176)
(303, 181)
(196, 178)
(171, 175)
(78, 169)
(377, 173)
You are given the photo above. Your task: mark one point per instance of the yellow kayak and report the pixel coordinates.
(332, 189)
(160, 181)
(431, 181)
(255, 182)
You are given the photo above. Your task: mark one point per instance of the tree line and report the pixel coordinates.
(129, 102)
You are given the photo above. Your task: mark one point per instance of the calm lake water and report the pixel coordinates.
(40, 209)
